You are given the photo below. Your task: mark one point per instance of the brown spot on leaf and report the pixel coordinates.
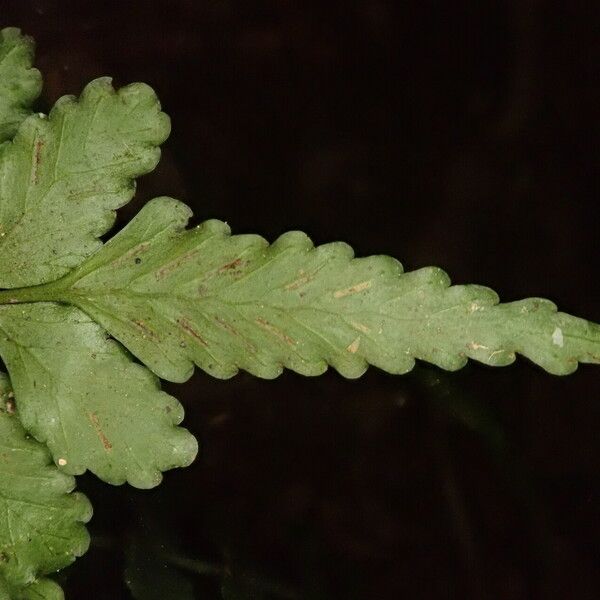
(227, 326)
(175, 264)
(93, 417)
(146, 331)
(131, 254)
(231, 329)
(187, 327)
(354, 289)
(275, 331)
(37, 159)
(302, 280)
(231, 266)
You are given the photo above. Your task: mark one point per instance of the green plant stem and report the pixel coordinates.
(47, 292)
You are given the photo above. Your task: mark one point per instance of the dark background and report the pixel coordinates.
(461, 134)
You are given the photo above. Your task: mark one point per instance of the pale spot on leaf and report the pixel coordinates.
(557, 337)
(353, 347)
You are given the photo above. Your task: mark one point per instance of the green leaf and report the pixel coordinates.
(20, 84)
(41, 519)
(63, 176)
(176, 297)
(44, 589)
(81, 394)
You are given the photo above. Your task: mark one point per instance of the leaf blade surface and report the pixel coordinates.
(20, 83)
(41, 518)
(63, 176)
(81, 394)
(177, 297)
